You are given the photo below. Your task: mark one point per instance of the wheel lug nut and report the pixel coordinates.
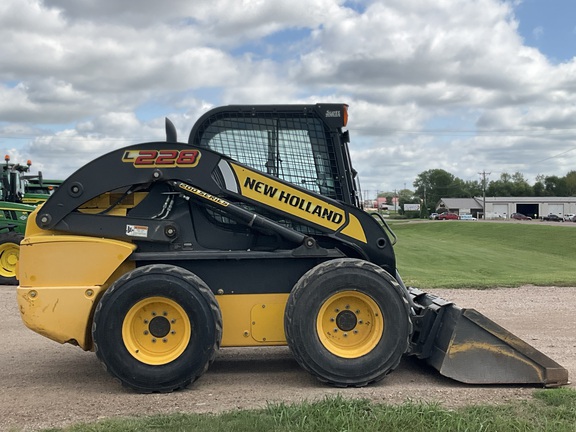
(345, 334)
(145, 332)
(332, 320)
(164, 340)
(153, 313)
(165, 313)
(173, 332)
(153, 340)
(145, 321)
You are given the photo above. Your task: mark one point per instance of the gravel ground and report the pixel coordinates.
(46, 384)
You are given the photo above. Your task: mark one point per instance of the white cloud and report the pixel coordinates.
(444, 84)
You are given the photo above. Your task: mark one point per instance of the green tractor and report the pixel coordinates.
(37, 189)
(21, 193)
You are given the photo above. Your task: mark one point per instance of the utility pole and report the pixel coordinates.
(425, 203)
(484, 174)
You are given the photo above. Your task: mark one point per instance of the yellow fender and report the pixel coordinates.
(62, 279)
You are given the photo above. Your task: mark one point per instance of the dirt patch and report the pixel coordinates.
(46, 384)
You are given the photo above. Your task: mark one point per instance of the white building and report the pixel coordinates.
(503, 207)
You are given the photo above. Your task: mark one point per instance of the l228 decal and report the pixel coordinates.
(187, 158)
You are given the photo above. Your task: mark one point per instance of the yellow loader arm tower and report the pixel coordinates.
(250, 234)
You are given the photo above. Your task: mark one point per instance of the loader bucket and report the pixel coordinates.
(466, 346)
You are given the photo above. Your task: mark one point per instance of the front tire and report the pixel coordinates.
(157, 328)
(347, 322)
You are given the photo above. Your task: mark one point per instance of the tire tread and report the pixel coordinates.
(297, 293)
(180, 273)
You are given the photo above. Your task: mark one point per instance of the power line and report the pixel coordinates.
(555, 156)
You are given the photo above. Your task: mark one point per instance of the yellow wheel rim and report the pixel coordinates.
(350, 324)
(9, 253)
(156, 330)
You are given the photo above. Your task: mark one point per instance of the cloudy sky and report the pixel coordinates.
(462, 85)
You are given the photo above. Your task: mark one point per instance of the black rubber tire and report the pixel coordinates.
(173, 285)
(9, 248)
(335, 278)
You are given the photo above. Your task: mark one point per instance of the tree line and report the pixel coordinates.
(435, 184)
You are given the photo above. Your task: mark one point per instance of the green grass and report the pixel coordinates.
(551, 410)
(457, 254)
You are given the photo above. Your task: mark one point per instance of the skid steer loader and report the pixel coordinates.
(250, 234)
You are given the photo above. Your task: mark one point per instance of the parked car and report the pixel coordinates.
(447, 216)
(569, 217)
(466, 217)
(433, 216)
(553, 218)
(520, 216)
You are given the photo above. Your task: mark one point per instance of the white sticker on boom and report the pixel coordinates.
(137, 230)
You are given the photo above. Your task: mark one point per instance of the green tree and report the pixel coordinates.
(501, 187)
(570, 179)
(520, 186)
(555, 186)
(435, 184)
(510, 185)
(406, 196)
(538, 188)
(473, 188)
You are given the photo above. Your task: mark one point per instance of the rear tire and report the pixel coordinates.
(347, 322)
(9, 255)
(157, 328)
